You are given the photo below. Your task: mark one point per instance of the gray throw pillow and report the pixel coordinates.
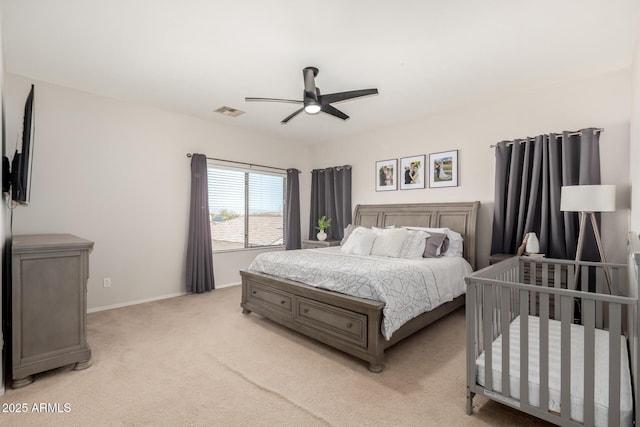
(437, 245)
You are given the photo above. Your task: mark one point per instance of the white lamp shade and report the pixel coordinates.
(588, 198)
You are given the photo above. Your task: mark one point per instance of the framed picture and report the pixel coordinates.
(386, 175)
(412, 172)
(443, 169)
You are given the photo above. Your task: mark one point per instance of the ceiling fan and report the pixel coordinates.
(313, 102)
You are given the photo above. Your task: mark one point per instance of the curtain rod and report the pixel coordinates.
(546, 134)
(242, 163)
(335, 167)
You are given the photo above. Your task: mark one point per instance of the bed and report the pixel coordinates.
(355, 325)
(565, 355)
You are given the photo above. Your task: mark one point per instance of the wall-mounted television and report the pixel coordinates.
(22, 162)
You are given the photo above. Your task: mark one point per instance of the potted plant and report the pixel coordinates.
(323, 224)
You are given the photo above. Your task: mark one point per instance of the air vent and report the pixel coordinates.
(228, 111)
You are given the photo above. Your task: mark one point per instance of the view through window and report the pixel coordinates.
(246, 208)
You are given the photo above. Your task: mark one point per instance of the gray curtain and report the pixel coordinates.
(529, 175)
(199, 253)
(331, 196)
(292, 211)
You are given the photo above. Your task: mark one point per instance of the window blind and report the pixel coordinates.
(246, 207)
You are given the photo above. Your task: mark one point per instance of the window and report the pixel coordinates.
(246, 208)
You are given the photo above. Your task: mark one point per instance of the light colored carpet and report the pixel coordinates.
(197, 361)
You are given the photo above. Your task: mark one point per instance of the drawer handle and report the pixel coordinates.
(306, 310)
(349, 325)
(254, 292)
(282, 302)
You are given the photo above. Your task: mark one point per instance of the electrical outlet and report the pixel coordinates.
(106, 282)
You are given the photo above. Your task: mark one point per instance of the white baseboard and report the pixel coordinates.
(228, 285)
(142, 301)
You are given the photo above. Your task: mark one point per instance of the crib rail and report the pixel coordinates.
(549, 289)
(632, 291)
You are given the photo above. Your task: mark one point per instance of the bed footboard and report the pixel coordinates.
(347, 323)
(527, 330)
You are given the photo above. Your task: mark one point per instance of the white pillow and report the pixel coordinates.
(389, 242)
(347, 232)
(455, 239)
(414, 245)
(359, 242)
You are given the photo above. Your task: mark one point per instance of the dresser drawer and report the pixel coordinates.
(269, 298)
(340, 323)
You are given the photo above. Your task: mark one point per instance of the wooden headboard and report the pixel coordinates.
(458, 216)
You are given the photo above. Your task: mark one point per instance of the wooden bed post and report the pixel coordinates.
(375, 340)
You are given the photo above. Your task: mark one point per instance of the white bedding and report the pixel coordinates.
(601, 392)
(408, 287)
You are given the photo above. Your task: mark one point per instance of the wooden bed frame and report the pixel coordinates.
(353, 324)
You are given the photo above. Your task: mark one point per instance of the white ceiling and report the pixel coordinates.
(424, 56)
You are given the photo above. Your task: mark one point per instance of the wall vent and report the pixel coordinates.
(228, 111)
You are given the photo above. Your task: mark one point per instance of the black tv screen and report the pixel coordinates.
(22, 161)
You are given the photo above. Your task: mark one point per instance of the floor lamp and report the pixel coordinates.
(589, 199)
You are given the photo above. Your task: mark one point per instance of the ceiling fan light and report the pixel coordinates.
(312, 108)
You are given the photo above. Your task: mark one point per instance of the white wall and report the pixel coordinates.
(602, 101)
(117, 174)
(635, 140)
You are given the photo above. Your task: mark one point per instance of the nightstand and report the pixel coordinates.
(311, 244)
(496, 258)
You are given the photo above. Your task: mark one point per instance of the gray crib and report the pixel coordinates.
(575, 348)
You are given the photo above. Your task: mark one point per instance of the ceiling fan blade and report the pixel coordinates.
(291, 101)
(329, 109)
(291, 116)
(345, 96)
(309, 74)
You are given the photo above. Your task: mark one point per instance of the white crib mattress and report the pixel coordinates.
(601, 392)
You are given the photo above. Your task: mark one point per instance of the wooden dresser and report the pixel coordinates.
(48, 304)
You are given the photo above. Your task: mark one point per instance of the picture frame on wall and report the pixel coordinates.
(412, 172)
(386, 175)
(443, 169)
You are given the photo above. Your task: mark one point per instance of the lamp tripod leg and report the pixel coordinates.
(576, 273)
(596, 231)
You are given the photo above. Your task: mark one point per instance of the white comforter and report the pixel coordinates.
(408, 287)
